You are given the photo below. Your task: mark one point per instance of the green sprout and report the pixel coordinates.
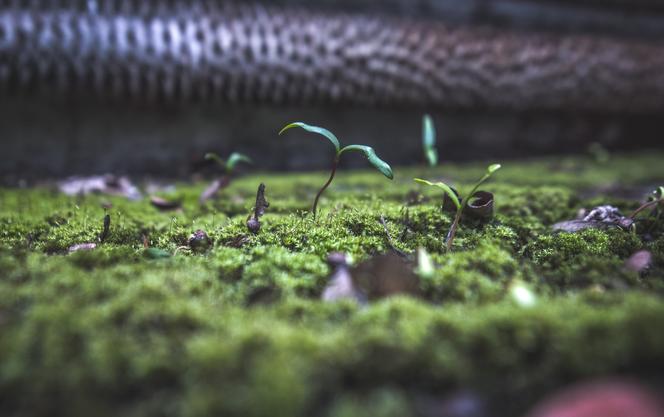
(656, 199)
(429, 140)
(233, 160)
(368, 151)
(459, 204)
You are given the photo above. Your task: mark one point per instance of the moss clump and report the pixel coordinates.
(239, 329)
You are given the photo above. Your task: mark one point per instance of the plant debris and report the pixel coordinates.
(390, 242)
(341, 285)
(385, 275)
(599, 217)
(82, 247)
(165, 205)
(639, 262)
(101, 184)
(199, 241)
(106, 229)
(480, 205)
(214, 188)
(253, 222)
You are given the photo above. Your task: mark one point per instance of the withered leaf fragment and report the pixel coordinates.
(82, 247)
(103, 184)
(385, 275)
(106, 229)
(598, 218)
(214, 187)
(253, 222)
(341, 285)
(163, 204)
(481, 205)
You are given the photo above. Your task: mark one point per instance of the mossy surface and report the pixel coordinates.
(239, 329)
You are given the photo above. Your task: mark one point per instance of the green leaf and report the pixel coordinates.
(493, 168)
(235, 158)
(315, 129)
(429, 140)
(369, 152)
(211, 156)
(446, 188)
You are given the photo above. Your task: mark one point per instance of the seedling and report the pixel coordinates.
(228, 167)
(233, 160)
(656, 199)
(459, 204)
(429, 141)
(368, 151)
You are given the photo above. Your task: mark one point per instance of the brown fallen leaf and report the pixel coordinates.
(341, 285)
(163, 204)
(385, 275)
(214, 187)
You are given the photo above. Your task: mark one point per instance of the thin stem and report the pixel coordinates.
(334, 170)
(455, 224)
(645, 207)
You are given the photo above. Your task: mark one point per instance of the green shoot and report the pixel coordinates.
(460, 205)
(368, 151)
(429, 141)
(656, 199)
(233, 160)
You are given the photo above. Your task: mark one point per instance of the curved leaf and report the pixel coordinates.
(235, 158)
(211, 156)
(446, 188)
(429, 140)
(315, 129)
(493, 168)
(369, 152)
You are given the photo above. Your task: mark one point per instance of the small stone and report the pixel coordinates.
(199, 241)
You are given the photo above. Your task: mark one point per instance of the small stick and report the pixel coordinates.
(107, 226)
(390, 242)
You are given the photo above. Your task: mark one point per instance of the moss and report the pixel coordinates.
(240, 330)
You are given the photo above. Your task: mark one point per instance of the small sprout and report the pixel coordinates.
(429, 141)
(656, 199)
(368, 151)
(199, 241)
(229, 168)
(461, 204)
(106, 229)
(253, 222)
(233, 160)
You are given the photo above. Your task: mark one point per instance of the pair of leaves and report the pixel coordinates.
(232, 161)
(382, 166)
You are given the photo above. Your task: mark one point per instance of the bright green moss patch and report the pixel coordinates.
(239, 329)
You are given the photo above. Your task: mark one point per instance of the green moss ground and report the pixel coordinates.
(239, 330)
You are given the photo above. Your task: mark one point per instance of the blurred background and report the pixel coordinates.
(148, 87)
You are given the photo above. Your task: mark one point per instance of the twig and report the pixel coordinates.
(390, 242)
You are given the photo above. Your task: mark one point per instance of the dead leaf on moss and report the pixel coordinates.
(385, 275)
(165, 205)
(341, 285)
(100, 184)
(82, 247)
(214, 188)
(598, 218)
